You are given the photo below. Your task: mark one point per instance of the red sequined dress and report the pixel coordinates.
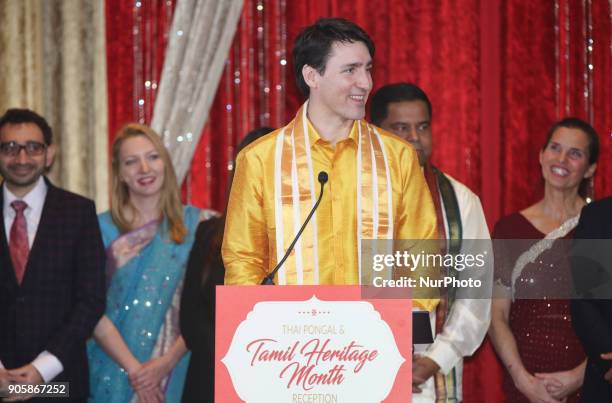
(542, 327)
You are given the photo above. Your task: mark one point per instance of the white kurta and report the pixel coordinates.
(468, 319)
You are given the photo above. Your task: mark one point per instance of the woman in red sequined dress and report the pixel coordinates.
(531, 327)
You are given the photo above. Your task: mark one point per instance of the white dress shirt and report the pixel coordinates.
(48, 365)
(468, 319)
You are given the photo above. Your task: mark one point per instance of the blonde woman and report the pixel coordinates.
(138, 353)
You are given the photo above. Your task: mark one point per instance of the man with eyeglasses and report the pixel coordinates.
(51, 264)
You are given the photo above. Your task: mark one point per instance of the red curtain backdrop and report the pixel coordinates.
(555, 61)
(251, 94)
(495, 89)
(416, 41)
(601, 89)
(499, 73)
(527, 73)
(136, 37)
(545, 77)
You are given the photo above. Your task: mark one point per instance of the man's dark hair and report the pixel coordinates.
(575, 123)
(313, 45)
(252, 136)
(397, 92)
(17, 116)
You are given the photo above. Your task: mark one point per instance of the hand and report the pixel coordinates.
(535, 390)
(150, 374)
(150, 395)
(422, 369)
(123, 251)
(4, 381)
(608, 375)
(27, 374)
(563, 383)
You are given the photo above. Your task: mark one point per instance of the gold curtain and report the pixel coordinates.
(53, 60)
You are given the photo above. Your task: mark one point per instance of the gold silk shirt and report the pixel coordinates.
(249, 244)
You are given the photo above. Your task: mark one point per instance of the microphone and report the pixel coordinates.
(269, 279)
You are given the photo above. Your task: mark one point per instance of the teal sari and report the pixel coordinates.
(142, 302)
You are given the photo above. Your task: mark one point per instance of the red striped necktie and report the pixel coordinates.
(18, 244)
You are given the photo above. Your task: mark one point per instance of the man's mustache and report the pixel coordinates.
(21, 166)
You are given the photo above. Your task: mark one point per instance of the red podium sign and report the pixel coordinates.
(315, 344)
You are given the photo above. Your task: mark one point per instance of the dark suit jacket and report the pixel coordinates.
(62, 295)
(592, 308)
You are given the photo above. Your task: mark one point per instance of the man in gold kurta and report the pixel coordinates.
(376, 189)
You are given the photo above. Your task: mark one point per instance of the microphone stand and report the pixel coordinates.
(269, 279)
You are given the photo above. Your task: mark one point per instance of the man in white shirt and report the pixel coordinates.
(51, 263)
(460, 324)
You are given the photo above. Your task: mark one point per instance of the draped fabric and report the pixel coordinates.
(446, 47)
(440, 48)
(436, 48)
(527, 71)
(252, 93)
(137, 35)
(142, 303)
(498, 74)
(136, 38)
(495, 89)
(53, 61)
(493, 97)
(600, 88)
(545, 77)
(201, 34)
(540, 72)
(556, 61)
(20, 43)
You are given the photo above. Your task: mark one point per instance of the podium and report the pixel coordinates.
(311, 344)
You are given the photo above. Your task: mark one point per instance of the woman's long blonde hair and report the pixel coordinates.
(169, 203)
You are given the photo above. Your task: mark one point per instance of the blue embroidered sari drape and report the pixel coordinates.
(140, 304)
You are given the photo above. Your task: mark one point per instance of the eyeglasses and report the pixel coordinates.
(32, 148)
